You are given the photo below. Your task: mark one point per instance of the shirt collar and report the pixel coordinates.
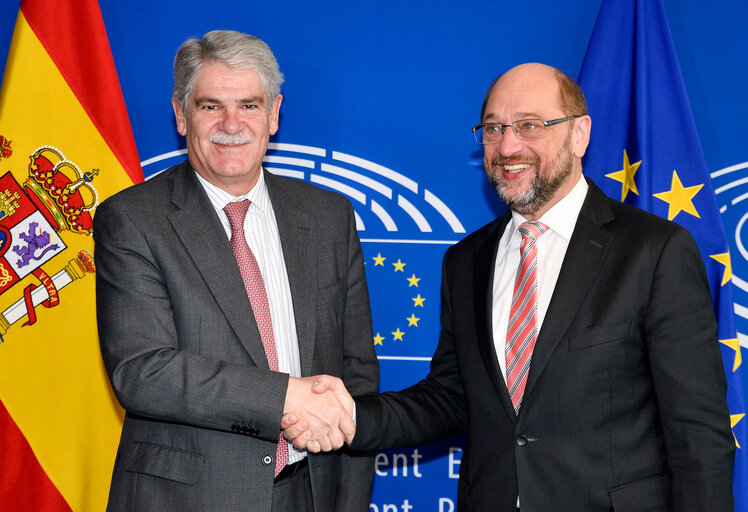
(258, 195)
(562, 217)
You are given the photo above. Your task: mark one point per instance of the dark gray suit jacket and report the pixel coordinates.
(185, 357)
(624, 407)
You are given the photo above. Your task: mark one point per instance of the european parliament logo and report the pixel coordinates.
(731, 189)
(386, 202)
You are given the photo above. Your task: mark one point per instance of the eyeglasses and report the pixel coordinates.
(524, 129)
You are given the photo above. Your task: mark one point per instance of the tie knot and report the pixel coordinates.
(236, 212)
(532, 229)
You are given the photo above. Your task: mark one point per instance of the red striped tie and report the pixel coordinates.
(523, 315)
(255, 286)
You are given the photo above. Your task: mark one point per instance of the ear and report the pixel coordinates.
(581, 135)
(275, 114)
(180, 116)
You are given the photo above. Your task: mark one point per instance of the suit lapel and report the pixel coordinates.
(485, 265)
(202, 234)
(588, 247)
(296, 228)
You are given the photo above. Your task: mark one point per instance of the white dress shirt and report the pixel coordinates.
(560, 221)
(261, 232)
(552, 245)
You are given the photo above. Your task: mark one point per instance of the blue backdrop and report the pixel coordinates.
(378, 103)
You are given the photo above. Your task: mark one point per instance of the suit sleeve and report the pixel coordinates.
(430, 410)
(360, 374)
(151, 373)
(689, 380)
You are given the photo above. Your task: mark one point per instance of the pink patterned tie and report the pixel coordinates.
(523, 315)
(255, 286)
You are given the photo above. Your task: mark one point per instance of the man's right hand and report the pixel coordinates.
(318, 413)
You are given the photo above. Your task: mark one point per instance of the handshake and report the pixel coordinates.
(318, 414)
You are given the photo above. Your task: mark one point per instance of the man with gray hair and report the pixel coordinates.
(223, 291)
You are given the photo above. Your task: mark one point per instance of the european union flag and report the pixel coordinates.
(645, 151)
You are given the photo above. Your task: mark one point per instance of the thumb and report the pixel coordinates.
(320, 386)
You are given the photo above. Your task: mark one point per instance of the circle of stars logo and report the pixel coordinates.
(400, 274)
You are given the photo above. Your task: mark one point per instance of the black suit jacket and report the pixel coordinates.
(624, 407)
(185, 357)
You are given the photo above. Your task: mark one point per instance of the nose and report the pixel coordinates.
(231, 122)
(509, 143)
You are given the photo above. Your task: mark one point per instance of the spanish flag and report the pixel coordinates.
(65, 145)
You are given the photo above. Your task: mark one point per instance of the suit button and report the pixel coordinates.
(267, 460)
(252, 432)
(521, 440)
(236, 428)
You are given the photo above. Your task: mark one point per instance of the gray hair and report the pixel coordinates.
(237, 50)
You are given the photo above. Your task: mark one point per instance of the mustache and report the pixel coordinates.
(230, 139)
(516, 157)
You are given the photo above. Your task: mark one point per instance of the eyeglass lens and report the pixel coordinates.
(527, 129)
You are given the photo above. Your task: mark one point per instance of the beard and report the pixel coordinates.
(546, 182)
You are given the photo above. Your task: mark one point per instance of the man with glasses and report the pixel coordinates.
(578, 348)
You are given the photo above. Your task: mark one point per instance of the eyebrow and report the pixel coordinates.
(516, 117)
(253, 99)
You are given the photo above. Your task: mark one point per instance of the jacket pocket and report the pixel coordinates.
(650, 494)
(599, 335)
(165, 462)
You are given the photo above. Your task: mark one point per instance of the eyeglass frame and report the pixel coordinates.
(503, 126)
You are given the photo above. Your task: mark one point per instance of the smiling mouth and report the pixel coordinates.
(513, 169)
(228, 146)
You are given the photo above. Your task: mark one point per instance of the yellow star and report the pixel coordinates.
(733, 344)
(398, 334)
(399, 266)
(724, 258)
(679, 198)
(378, 340)
(418, 301)
(626, 176)
(379, 260)
(413, 280)
(734, 419)
(412, 320)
